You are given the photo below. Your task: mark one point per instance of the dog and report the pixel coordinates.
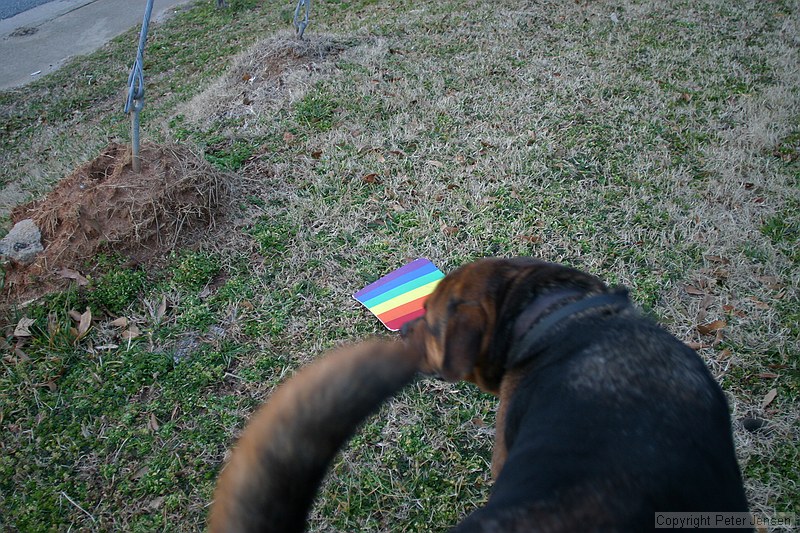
(605, 419)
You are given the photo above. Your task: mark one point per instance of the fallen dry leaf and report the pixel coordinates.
(768, 375)
(85, 324)
(718, 259)
(156, 503)
(704, 305)
(120, 322)
(68, 273)
(23, 327)
(21, 356)
(74, 315)
(769, 398)
(131, 333)
(697, 345)
(153, 423)
(771, 282)
(724, 354)
(758, 304)
(719, 337)
(50, 385)
(694, 291)
(288, 137)
(371, 178)
(449, 230)
(162, 308)
(732, 310)
(434, 163)
(711, 327)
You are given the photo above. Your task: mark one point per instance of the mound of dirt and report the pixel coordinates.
(265, 77)
(106, 207)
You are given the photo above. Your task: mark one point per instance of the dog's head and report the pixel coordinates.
(470, 317)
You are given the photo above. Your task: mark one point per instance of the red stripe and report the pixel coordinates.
(397, 323)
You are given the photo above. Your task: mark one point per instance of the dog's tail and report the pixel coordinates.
(273, 475)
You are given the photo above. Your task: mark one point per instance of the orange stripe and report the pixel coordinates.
(402, 310)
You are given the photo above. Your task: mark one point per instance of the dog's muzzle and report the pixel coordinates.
(406, 328)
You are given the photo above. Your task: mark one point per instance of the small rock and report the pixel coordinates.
(23, 242)
(188, 344)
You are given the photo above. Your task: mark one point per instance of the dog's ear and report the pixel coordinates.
(463, 342)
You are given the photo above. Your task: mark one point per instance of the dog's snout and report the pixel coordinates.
(406, 328)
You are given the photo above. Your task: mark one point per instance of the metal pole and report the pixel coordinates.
(135, 101)
(304, 7)
(136, 160)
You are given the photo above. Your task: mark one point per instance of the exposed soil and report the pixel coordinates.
(106, 207)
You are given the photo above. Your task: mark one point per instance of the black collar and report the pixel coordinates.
(521, 351)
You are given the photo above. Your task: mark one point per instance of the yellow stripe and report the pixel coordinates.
(405, 298)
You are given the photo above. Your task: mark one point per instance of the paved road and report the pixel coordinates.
(9, 8)
(39, 40)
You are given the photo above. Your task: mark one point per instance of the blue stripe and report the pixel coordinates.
(401, 280)
(402, 289)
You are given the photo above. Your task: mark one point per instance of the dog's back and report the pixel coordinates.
(615, 422)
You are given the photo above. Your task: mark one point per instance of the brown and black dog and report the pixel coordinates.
(605, 419)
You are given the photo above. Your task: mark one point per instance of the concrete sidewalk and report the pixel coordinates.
(39, 41)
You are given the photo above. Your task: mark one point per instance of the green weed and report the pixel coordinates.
(316, 110)
(116, 289)
(191, 271)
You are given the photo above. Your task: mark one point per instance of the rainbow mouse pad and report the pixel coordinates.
(398, 297)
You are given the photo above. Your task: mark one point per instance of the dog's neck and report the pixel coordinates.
(539, 306)
(549, 311)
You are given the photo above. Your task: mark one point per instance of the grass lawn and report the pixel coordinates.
(654, 144)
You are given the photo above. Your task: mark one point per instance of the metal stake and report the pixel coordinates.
(135, 101)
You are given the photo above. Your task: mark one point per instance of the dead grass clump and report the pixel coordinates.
(264, 77)
(105, 207)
